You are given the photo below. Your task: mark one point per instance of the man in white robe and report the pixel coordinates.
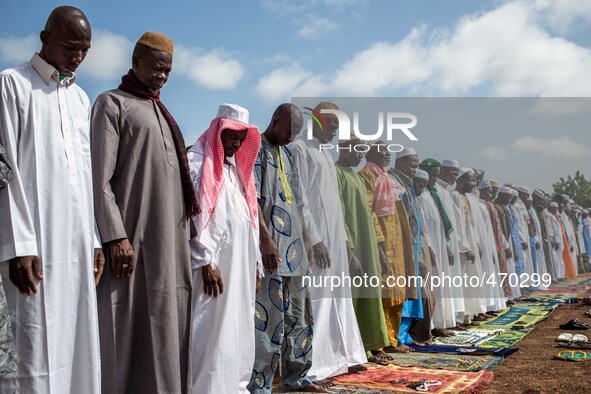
(337, 341)
(535, 243)
(444, 185)
(434, 230)
(47, 235)
(490, 258)
(225, 253)
(523, 221)
(471, 264)
(557, 241)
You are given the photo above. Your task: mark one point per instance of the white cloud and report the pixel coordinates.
(505, 48)
(281, 83)
(509, 51)
(109, 56)
(562, 148)
(563, 15)
(213, 69)
(315, 27)
(14, 50)
(494, 153)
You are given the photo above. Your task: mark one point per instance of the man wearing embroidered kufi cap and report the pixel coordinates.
(143, 202)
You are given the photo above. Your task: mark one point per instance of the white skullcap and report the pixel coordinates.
(506, 190)
(539, 193)
(523, 189)
(450, 163)
(553, 205)
(422, 174)
(234, 112)
(464, 170)
(586, 211)
(515, 193)
(406, 152)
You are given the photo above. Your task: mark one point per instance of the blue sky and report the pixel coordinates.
(260, 53)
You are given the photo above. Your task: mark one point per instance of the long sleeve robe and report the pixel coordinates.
(138, 196)
(337, 341)
(224, 326)
(444, 313)
(47, 211)
(364, 243)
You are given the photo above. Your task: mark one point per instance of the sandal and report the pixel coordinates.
(575, 324)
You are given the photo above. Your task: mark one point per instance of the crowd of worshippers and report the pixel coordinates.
(131, 264)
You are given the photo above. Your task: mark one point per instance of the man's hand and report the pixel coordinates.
(524, 245)
(432, 255)
(383, 257)
(212, 281)
(508, 253)
(556, 246)
(470, 256)
(99, 265)
(258, 283)
(321, 255)
(355, 268)
(122, 257)
(22, 273)
(269, 253)
(450, 256)
(537, 245)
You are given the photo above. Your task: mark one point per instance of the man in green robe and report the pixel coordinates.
(362, 238)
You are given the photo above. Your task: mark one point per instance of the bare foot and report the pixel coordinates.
(313, 388)
(478, 318)
(357, 368)
(323, 383)
(381, 354)
(442, 332)
(398, 349)
(415, 343)
(459, 328)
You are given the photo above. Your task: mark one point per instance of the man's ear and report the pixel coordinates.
(44, 37)
(135, 61)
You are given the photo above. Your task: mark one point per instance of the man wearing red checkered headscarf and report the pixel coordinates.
(225, 253)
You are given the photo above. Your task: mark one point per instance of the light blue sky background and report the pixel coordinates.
(260, 53)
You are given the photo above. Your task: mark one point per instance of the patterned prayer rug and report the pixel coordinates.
(523, 315)
(450, 362)
(466, 350)
(473, 337)
(395, 379)
(505, 339)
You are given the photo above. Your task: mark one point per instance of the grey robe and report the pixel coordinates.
(144, 320)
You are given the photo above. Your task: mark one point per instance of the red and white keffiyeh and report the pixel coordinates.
(212, 176)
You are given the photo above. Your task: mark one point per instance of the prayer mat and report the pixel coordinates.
(450, 362)
(573, 355)
(521, 314)
(506, 338)
(395, 379)
(466, 338)
(466, 350)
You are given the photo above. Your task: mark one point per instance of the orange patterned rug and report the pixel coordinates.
(395, 379)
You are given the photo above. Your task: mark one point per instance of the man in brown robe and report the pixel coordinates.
(142, 207)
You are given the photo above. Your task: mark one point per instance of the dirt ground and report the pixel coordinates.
(533, 369)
